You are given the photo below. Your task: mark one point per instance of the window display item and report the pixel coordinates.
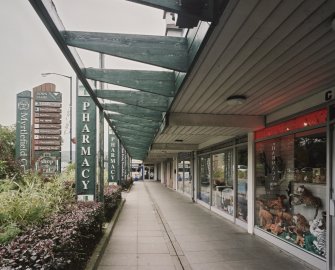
(305, 197)
(291, 188)
(318, 229)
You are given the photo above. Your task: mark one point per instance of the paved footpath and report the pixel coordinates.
(159, 229)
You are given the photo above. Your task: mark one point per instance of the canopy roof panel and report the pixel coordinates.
(135, 116)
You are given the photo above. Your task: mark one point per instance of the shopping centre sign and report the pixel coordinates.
(23, 130)
(86, 147)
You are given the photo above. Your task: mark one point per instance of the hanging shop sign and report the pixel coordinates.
(113, 158)
(23, 129)
(86, 147)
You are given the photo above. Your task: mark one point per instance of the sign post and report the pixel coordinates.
(86, 147)
(23, 129)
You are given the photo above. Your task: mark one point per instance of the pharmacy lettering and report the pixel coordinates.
(113, 158)
(86, 147)
(23, 130)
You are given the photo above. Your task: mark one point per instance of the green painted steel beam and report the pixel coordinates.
(132, 110)
(163, 51)
(157, 82)
(131, 119)
(136, 98)
(151, 126)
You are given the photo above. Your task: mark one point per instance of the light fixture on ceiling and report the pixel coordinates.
(236, 100)
(178, 140)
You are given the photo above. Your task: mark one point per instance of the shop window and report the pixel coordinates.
(180, 176)
(204, 178)
(187, 177)
(291, 189)
(184, 177)
(242, 180)
(223, 179)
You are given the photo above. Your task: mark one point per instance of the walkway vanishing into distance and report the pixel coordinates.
(160, 229)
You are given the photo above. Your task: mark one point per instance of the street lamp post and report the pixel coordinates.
(69, 77)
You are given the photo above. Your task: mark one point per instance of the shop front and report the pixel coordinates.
(184, 175)
(291, 198)
(222, 182)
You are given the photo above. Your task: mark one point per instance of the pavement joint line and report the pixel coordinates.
(98, 252)
(181, 263)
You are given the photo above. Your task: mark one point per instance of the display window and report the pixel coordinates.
(291, 188)
(223, 181)
(242, 183)
(204, 178)
(180, 176)
(184, 177)
(187, 177)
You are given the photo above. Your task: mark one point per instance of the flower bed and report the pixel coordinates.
(42, 227)
(64, 241)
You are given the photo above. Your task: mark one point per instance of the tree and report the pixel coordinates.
(8, 166)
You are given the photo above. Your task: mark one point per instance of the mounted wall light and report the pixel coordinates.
(236, 100)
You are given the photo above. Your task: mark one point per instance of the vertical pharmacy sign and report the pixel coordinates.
(23, 129)
(86, 147)
(113, 158)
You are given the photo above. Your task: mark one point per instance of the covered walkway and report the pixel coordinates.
(162, 230)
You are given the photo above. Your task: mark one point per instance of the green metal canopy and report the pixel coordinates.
(135, 116)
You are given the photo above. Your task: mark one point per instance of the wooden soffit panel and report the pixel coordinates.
(136, 111)
(135, 127)
(163, 51)
(157, 82)
(130, 119)
(137, 98)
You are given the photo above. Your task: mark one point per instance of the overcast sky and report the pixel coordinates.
(27, 49)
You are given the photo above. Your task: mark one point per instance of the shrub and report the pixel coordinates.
(9, 167)
(63, 242)
(126, 184)
(32, 200)
(112, 198)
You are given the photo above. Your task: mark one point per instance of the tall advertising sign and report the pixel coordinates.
(23, 129)
(113, 158)
(47, 129)
(86, 147)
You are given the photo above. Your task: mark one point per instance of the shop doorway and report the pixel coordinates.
(149, 172)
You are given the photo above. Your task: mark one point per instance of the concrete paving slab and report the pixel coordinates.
(159, 229)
